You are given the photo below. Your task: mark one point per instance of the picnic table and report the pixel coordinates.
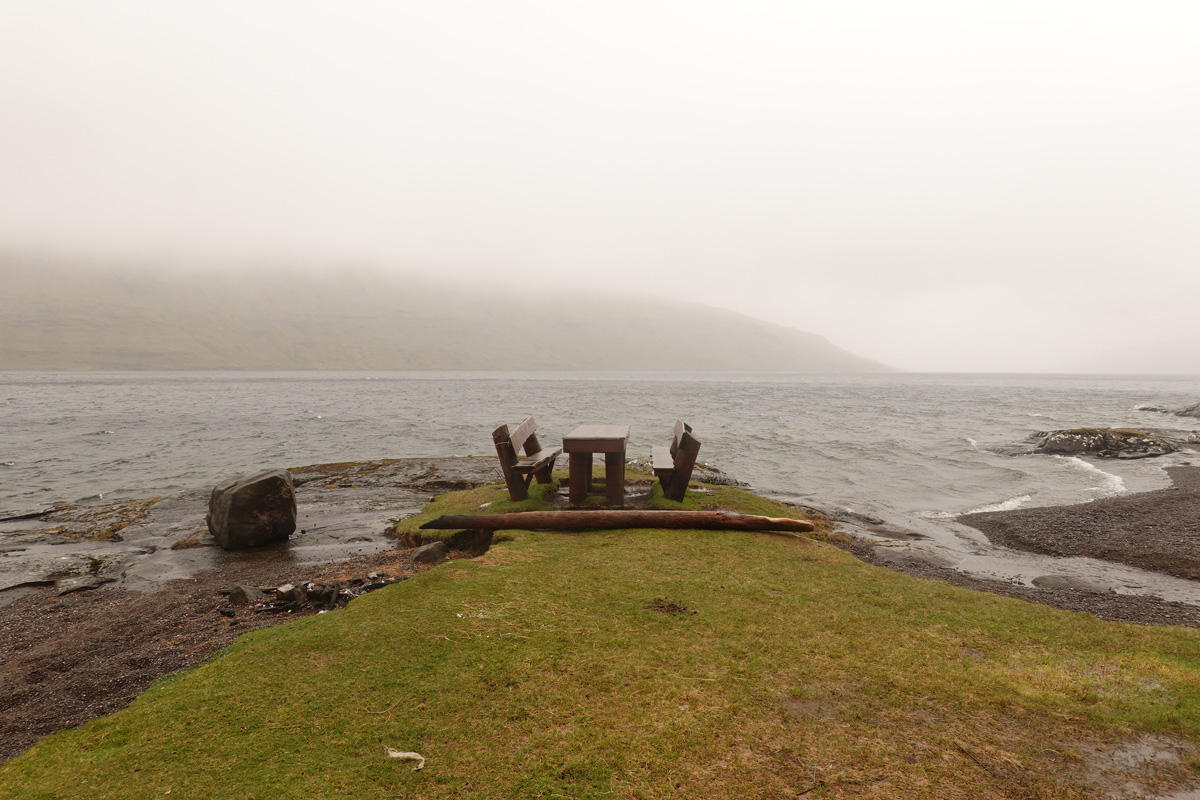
(580, 445)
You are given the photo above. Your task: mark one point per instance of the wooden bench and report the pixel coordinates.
(519, 472)
(673, 464)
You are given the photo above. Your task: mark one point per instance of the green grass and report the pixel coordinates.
(496, 500)
(543, 669)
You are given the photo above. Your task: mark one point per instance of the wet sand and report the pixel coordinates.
(1156, 531)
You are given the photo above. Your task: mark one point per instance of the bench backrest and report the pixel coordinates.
(523, 436)
(684, 449)
(508, 450)
(681, 428)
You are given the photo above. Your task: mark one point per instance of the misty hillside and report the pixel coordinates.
(1181, 357)
(56, 317)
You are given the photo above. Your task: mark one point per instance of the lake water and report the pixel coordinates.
(912, 450)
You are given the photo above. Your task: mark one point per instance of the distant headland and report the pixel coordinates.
(56, 316)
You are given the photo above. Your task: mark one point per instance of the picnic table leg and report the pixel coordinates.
(614, 478)
(579, 467)
(546, 474)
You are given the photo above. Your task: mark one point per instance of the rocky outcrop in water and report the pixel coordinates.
(1102, 442)
(1190, 411)
(250, 511)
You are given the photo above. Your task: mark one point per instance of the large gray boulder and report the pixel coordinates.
(246, 511)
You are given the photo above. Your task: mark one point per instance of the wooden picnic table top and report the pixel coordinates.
(597, 439)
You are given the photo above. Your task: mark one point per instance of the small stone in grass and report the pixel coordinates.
(245, 596)
(431, 553)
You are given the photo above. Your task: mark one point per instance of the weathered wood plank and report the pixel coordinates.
(526, 429)
(685, 461)
(517, 486)
(597, 439)
(614, 478)
(520, 472)
(538, 460)
(661, 459)
(579, 466)
(681, 428)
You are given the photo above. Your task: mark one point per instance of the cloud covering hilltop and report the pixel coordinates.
(59, 317)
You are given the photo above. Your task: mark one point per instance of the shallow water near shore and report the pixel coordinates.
(893, 456)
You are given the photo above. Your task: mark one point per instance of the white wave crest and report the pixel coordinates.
(973, 442)
(1109, 484)
(1004, 505)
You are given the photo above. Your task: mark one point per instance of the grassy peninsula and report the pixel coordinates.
(645, 664)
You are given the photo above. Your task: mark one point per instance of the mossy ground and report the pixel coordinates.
(645, 664)
(96, 523)
(546, 497)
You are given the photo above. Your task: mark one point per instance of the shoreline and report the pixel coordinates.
(155, 610)
(1157, 531)
(78, 656)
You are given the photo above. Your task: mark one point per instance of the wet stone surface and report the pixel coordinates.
(73, 647)
(344, 511)
(1157, 532)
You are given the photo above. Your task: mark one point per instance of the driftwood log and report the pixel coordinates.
(606, 520)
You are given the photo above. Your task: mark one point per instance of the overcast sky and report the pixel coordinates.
(993, 186)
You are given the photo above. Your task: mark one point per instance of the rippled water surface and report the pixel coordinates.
(886, 445)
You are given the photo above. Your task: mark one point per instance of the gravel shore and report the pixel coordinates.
(1156, 531)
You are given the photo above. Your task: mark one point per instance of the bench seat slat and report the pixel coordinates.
(661, 459)
(538, 460)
